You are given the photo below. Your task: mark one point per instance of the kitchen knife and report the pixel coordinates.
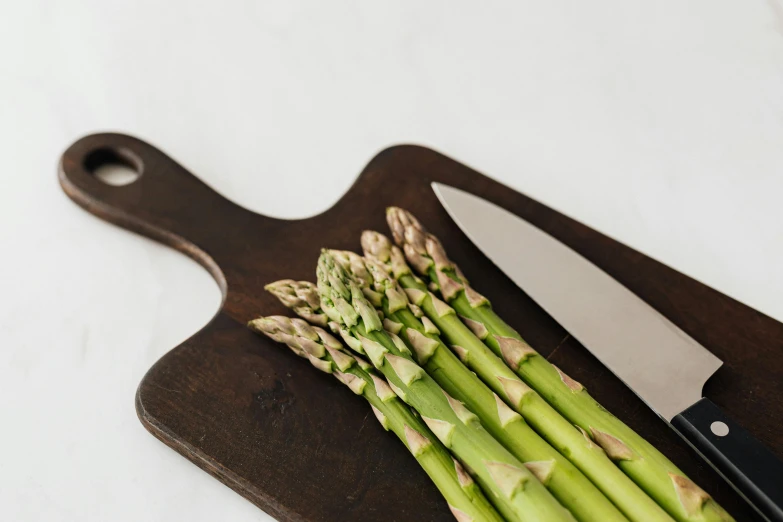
(664, 366)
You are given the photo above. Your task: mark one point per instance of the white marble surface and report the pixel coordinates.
(659, 123)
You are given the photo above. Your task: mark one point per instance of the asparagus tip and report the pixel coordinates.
(396, 220)
(376, 246)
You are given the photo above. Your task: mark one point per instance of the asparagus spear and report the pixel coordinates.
(639, 459)
(507, 482)
(466, 501)
(571, 441)
(558, 474)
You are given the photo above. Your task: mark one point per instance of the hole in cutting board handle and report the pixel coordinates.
(116, 167)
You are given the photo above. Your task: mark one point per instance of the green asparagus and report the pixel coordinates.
(517, 494)
(465, 500)
(558, 474)
(570, 441)
(639, 459)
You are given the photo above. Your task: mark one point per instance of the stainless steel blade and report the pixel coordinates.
(663, 365)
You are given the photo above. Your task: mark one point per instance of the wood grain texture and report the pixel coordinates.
(260, 420)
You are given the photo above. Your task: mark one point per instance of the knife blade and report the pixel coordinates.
(662, 364)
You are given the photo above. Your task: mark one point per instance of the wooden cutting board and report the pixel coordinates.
(297, 443)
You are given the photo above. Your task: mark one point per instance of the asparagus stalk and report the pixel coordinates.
(507, 482)
(466, 501)
(639, 459)
(570, 441)
(558, 474)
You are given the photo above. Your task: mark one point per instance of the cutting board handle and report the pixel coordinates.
(166, 202)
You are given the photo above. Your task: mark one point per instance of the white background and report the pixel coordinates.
(659, 123)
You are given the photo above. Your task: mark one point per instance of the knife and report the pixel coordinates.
(663, 365)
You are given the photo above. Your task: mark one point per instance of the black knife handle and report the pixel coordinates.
(752, 469)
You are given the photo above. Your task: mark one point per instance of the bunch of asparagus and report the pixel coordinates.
(537, 445)
(327, 354)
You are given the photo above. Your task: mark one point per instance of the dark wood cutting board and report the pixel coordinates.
(297, 443)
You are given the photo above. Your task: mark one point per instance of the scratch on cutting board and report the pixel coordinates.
(777, 10)
(364, 422)
(549, 358)
(166, 389)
